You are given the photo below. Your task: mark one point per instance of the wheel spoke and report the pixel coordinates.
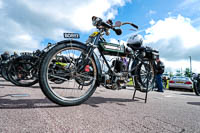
(58, 77)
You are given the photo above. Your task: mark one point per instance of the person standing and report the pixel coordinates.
(5, 56)
(159, 71)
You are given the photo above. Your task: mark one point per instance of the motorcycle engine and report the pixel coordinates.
(119, 67)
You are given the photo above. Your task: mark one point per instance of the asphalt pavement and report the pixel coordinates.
(24, 110)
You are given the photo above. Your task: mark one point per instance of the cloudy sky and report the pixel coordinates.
(171, 26)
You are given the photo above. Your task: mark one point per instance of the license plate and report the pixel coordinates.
(71, 35)
(180, 82)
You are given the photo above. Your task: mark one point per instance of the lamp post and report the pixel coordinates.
(190, 66)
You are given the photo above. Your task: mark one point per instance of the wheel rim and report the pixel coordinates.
(146, 75)
(62, 69)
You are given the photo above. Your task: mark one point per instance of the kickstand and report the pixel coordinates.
(146, 93)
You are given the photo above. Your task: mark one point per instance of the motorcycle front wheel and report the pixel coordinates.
(73, 90)
(19, 73)
(4, 73)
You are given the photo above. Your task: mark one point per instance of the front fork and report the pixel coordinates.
(86, 55)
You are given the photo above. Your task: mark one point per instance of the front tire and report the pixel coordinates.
(14, 72)
(69, 92)
(4, 73)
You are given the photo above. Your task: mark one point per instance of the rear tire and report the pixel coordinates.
(59, 94)
(145, 72)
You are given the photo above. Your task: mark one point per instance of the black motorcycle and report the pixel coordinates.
(4, 63)
(96, 62)
(23, 70)
(4, 66)
(196, 84)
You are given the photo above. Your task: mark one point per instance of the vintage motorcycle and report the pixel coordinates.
(94, 63)
(23, 70)
(196, 84)
(4, 63)
(4, 66)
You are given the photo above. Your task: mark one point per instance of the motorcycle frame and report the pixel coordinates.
(96, 44)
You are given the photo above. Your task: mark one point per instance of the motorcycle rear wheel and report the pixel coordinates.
(145, 76)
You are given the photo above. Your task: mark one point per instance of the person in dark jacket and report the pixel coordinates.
(5, 56)
(159, 72)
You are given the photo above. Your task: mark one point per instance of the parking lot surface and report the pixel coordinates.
(107, 111)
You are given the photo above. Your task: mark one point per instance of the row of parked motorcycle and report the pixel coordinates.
(22, 70)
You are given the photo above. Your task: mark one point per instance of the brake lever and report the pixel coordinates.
(110, 22)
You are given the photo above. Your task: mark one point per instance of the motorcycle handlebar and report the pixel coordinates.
(99, 22)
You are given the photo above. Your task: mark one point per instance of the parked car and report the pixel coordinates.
(181, 82)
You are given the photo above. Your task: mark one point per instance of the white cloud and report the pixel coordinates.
(24, 24)
(14, 38)
(76, 13)
(1, 4)
(196, 21)
(176, 39)
(169, 13)
(150, 13)
(190, 6)
(152, 22)
(172, 66)
(24, 37)
(178, 27)
(115, 41)
(186, 3)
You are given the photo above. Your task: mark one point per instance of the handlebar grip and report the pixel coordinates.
(134, 25)
(118, 31)
(99, 22)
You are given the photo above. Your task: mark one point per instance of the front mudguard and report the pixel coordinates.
(99, 70)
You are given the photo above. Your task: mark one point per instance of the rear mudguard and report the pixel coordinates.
(134, 64)
(98, 65)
